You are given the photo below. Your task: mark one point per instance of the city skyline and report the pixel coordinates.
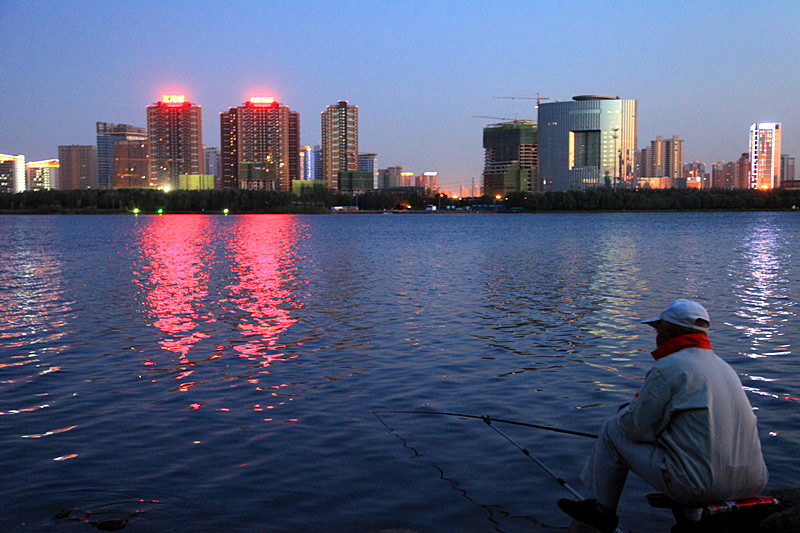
(419, 76)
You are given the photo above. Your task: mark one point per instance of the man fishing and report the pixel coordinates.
(690, 431)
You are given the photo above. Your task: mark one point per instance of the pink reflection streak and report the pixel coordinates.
(262, 245)
(172, 248)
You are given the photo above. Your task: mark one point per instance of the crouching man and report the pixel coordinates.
(690, 431)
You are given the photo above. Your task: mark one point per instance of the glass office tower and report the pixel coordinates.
(587, 142)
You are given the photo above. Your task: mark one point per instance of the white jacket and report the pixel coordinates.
(693, 407)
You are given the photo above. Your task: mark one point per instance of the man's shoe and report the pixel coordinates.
(586, 511)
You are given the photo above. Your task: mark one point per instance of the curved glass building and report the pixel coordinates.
(587, 142)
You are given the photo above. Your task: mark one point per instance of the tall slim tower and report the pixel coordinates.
(305, 163)
(260, 145)
(339, 141)
(175, 130)
(765, 155)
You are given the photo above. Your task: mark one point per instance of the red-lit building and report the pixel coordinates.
(260, 145)
(175, 131)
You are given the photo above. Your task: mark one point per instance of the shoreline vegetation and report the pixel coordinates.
(322, 201)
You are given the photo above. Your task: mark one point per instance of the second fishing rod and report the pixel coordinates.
(489, 421)
(493, 419)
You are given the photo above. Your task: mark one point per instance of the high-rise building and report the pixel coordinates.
(339, 141)
(294, 148)
(662, 159)
(108, 135)
(510, 157)
(723, 175)
(212, 163)
(694, 176)
(78, 166)
(175, 130)
(260, 145)
(587, 142)
(787, 168)
(42, 175)
(390, 178)
(316, 163)
(368, 162)
(305, 163)
(131, 167)
(406, 179)
(428, 181)
(12, 173)
(743, 171)
(765, 155)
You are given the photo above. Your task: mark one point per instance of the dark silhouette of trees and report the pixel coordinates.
(321, 199)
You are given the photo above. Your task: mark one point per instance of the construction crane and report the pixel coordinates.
(538, 98)
(515, 119)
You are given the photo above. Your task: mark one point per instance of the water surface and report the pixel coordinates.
(212, 373)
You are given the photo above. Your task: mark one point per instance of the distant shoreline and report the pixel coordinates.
(237, 201)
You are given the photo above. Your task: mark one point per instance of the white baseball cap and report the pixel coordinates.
(685, 313)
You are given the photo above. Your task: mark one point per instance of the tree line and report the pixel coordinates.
(321, 200)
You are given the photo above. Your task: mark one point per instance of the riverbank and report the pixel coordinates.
(238, 201)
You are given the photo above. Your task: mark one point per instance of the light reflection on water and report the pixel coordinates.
(262, 256)
(764, 289)
(227, 367)
(232, 285)
(173, 255)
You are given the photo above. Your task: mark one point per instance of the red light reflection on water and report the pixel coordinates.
(177, 271)
(262, 250)
(172, 247)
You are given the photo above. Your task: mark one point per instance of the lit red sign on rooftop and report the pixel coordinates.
(173, 99)
(262, 100)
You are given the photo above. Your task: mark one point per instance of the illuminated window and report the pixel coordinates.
(585, 148)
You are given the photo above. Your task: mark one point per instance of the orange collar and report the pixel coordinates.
(692, 340)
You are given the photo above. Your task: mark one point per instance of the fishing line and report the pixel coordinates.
(489, 422)
(498, 420)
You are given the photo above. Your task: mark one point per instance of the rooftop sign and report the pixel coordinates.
(173, 99)
(262, 100)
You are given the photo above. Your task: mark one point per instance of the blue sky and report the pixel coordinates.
(418, 71)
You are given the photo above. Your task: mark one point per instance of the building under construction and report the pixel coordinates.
(511, 158)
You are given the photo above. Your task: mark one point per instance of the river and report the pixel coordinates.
(223, 373)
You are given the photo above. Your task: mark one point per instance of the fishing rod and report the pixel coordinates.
(540, 464)
(498, 420)
(488, 421)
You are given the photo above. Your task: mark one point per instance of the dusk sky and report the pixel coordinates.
(418, 70)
